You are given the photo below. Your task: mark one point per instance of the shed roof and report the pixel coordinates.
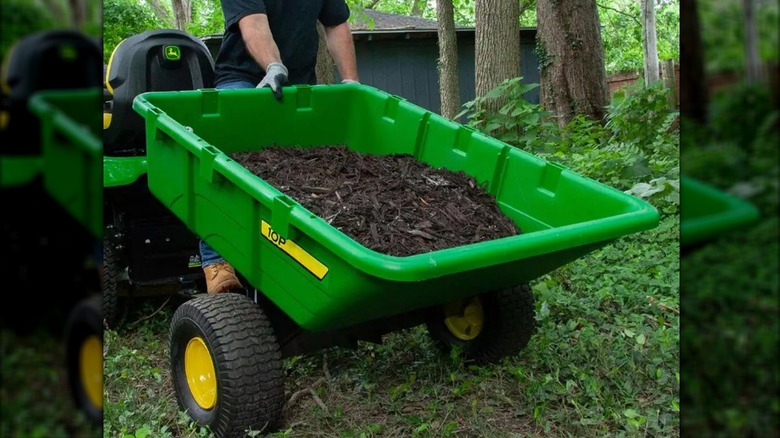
(388, 21)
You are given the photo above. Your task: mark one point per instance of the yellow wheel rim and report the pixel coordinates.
(465, 320)
(91, 367)
(199, 370)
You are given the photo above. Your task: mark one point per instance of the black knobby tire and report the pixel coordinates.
(85, 321)
(246, 358)
(113, 287)
(509, 323)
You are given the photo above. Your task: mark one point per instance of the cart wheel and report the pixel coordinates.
(226, 364)
(488, 327)
(84, 357)
(113, 287)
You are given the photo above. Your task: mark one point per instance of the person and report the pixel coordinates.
(270, 43)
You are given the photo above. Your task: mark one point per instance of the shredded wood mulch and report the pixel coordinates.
(393, 204)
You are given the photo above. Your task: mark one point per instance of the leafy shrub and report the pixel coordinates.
(636, 151)
(636, 113)
(737, 113)
(518, 122)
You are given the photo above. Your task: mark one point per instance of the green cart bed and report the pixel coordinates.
(71, 161)
(317, 275)
(18, 170)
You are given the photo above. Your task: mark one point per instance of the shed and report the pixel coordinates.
(399, 55)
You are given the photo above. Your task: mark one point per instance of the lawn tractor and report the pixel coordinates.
(147, 250)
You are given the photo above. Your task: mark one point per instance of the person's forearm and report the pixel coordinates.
(342, 49)
(258, 39)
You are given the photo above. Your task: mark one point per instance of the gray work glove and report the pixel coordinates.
(275, 77)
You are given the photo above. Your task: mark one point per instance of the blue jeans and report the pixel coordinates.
(207, 254)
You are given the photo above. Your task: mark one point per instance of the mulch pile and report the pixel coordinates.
(394, 204)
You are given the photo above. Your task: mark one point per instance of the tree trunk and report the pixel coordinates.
(497, 43)
(448, 59)
(60, 12)
(693, 81)
(324, 69)
(418, 7)
(159, 10)
(571, 59)
(670, 82)
(78, 10)
(649, 42)
(182, 13)
(752, 62)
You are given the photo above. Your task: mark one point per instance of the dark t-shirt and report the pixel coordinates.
(293, 26)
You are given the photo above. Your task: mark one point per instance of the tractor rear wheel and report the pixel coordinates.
(114, 288)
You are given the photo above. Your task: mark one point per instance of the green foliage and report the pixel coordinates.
(207, 18)
(722, 33)
(637, 112)
(731, 327)
(610, 321)
(517, 121)
(404, 7)
(138, 394)
(123, 19)
(21, 18)
(34, 394)
(637, 150)
(622, 33)
(737, 113)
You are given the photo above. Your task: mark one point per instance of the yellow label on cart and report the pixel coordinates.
(293, 250)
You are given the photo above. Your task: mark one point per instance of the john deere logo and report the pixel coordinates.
(172, 53)
(68, 53)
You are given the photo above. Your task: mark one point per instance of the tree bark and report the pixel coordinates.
(182, 13)
(159, 10)
(497, 44)
(78, 10)
(694, 97)
(752, 61)
(448, 59)
(649, 42)
(324, 69)
(59, 11)
(670, 82)
(571, 59)
(418, 7)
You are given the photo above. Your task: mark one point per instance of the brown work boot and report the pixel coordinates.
(221, 277)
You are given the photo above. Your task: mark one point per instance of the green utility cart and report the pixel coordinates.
(312, 286)
(72, 153)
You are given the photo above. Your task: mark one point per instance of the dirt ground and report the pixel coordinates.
(394, 204)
